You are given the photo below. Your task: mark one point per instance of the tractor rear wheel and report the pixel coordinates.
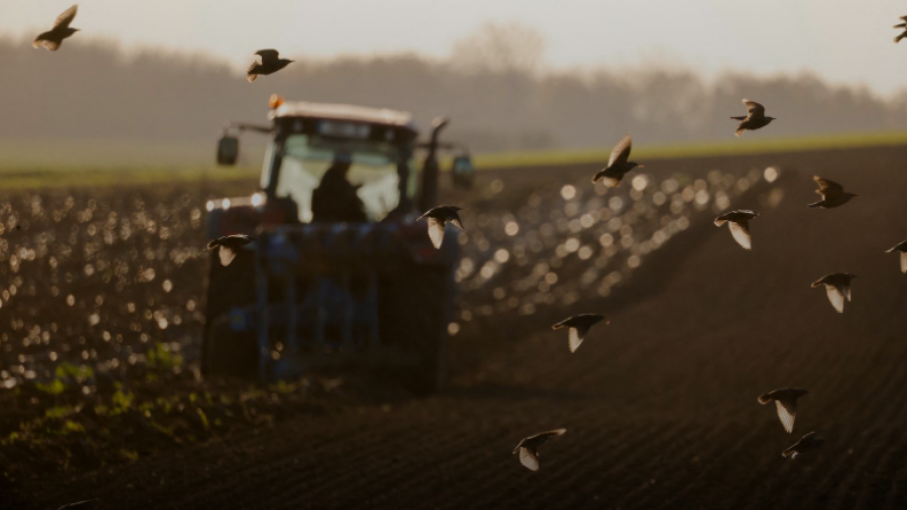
(229, 353)
(417, 310)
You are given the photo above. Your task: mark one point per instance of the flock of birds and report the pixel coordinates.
(837, 285)
(270, 61)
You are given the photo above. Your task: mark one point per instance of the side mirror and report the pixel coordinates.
(463, 173)
(227, 150)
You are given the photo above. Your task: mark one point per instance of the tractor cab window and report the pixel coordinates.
(341, 180)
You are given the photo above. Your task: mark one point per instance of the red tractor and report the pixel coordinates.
(340, 273)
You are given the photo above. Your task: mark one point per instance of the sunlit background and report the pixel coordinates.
(153, 82)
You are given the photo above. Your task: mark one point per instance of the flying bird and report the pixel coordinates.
(903, 25)
(755, 118)
(227, 246)
(808, 442)
(738, 223)
(579, 326)
(901, 247)
(837, 285)
(53, 38)
(618, 165)
(833, 194)
(270, 64)
(529, 447)
(438, 218)
(786, 401)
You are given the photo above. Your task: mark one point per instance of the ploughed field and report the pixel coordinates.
(660, 406)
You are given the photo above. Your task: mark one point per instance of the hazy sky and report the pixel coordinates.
(842, 40)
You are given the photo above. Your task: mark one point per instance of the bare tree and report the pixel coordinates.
(500, 48)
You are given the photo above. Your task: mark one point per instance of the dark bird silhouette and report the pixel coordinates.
(529, 447)
(618, 165)
(837, 285)
(833, 194)
(901, 247)
(53, 38)
(755, 118)
(903, 25)
(786, 402)
(438, 218)
(227, 246)
(579, 326)
(270, 64)
(808, 442)
(738, 223)
(88, 504)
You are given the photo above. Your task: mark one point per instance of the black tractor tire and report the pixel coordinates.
(419, 308)
(228, 287)
(230, 354)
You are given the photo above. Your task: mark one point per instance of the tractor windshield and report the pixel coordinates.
(342, 180)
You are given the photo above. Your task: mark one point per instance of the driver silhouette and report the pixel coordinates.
(335, 199)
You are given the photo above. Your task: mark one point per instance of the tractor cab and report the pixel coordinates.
(340, 264)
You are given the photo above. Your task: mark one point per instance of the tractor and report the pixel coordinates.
(340, 275)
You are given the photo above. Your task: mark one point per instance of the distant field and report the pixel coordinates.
(34, 164)
(747, 145)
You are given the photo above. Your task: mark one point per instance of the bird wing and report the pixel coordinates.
(47, 43)
(740, 230)
(621, 152)
(268, 54)
(577, 335)
(904, 261)
(787, 411)
(226, 255)
(791, 451)
(455, 221)
(754, 109)
(845, 289)
(436, 231)
(836, 297)
(576, 338)
(252, 72)
(612, 182)
(828, 189)
(741, 128)
(611, 179)
(529, 458)
(66, 18)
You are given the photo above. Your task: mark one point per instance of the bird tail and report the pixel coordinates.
(597, 177)
(789, 453)
(738, 118)
(559, 325)
(719, 222)
(814, 205)
(251, 77)
(901, 25)
(764, 399)
(898, 38)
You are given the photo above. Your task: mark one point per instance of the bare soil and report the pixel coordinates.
(660, 406)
